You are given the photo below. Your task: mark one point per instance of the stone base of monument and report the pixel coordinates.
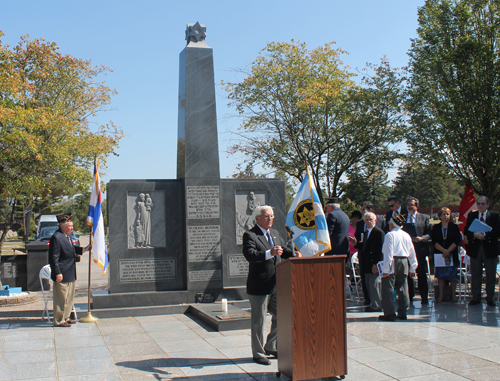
(105, 300)
(213, 315)
(106, 305)
(236, 317)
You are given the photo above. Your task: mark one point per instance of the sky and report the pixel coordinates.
(141, 42)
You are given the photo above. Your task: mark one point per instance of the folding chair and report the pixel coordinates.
(356, 277)
(464, 273)
(45, 274)
(429, 280)
(348, 285)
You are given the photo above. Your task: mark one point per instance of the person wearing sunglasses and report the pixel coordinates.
(394, 207)
(483, 250)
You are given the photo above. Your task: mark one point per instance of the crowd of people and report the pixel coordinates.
(391, 253)
(395, 251)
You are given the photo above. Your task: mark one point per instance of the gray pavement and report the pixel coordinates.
(438, 342)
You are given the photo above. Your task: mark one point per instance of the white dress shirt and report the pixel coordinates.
(266, 232)
(398, 243)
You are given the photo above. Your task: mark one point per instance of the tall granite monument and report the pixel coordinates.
(171, 241)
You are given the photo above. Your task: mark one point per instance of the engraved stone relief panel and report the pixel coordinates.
(146, 219)
(202, 202)
(246, 210)
(204, 243)
(205, 275)
(238, 266)
(146, 270)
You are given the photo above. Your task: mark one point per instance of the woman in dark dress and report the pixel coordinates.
(446, 240)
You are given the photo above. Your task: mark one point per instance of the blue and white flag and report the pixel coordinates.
(94, 219)
(307, 221)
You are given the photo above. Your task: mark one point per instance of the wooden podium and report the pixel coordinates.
(312, 336)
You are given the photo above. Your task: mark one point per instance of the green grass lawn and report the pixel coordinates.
(11, 244)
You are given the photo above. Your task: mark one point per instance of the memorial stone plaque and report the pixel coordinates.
(204, 243)
(202, 202)
(205, 275)
(238, 266)
(146, 270)
(9, 270)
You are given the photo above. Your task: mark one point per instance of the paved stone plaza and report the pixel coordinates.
(442, 341)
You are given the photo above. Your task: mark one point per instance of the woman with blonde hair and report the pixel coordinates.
(446, 239)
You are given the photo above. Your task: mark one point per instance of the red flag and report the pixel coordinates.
(466, 205)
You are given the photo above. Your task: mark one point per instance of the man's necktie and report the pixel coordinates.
(482, 217)
(269, 239)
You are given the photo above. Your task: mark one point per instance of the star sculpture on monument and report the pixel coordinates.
(196, 33)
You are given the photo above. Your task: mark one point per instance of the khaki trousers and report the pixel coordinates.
(63, 294)
(261, 305)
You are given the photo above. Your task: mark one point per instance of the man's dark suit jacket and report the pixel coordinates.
(490, 242)
(370, 252)
(389, 214)
(62, 257)
(338, 227)
(361, 227)
(423, 228)
(261, 272)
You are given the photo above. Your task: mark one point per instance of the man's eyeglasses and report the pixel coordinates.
(391, 205)
(268, 217)
(481, 203)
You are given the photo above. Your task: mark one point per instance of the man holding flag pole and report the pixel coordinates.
(95, 220)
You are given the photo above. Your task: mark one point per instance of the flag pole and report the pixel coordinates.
(89, 318)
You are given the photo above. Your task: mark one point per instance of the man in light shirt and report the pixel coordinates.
(398, 250)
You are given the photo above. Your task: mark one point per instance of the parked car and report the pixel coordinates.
(45, 221)
(47, 233)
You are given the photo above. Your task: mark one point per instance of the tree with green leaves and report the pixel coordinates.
(46, 102)
(302, 106)
(429, 183)
(454, 93)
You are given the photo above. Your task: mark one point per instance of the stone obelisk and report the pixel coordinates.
(198, 163)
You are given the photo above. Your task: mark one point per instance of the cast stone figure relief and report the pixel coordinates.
(144, 206)
(245, 219)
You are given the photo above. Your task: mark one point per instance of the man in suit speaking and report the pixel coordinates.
(263, 248)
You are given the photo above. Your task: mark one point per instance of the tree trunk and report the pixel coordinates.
(8, 225)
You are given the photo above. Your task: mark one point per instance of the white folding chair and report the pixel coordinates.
(348, 285)
(357, 277)
(45, 274)
(464, 273)
(429, 279)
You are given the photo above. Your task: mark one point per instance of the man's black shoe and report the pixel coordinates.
(402, 317)
(492, 303)
(272, 353)
(262, 361)
(387, 317)
(473, 302)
